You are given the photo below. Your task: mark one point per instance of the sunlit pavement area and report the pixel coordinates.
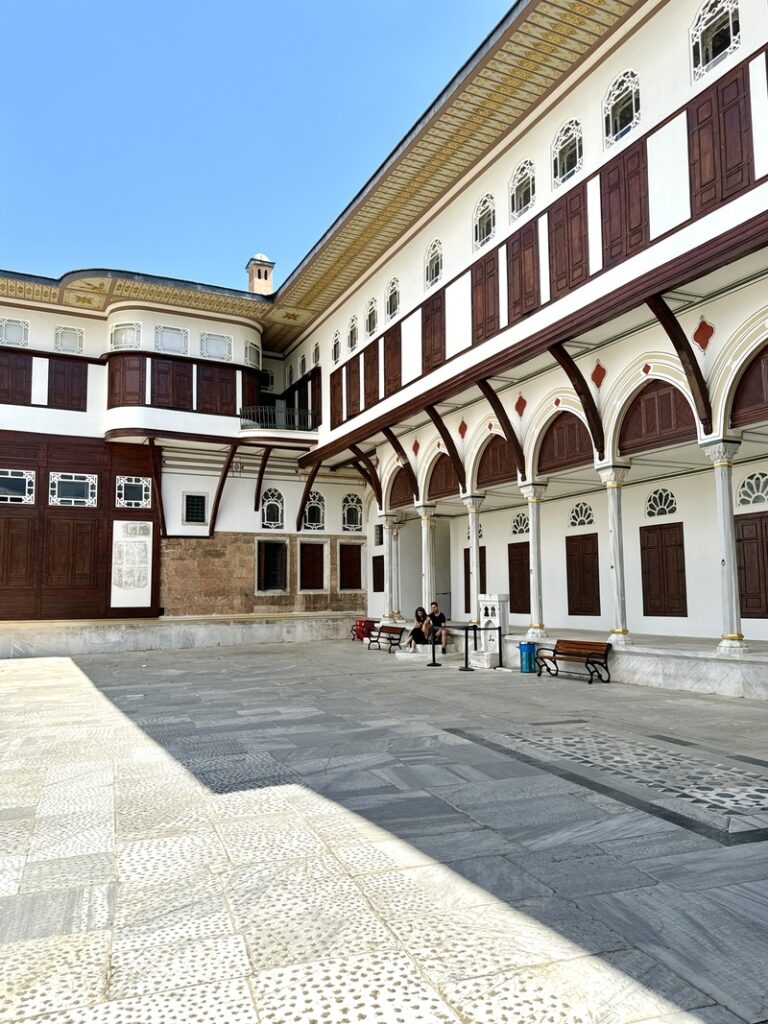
(316, 833)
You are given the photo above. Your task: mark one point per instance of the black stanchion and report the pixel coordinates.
(433, 663)
(501, 649)
(465, 667)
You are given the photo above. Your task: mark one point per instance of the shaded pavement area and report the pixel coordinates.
(316, 833)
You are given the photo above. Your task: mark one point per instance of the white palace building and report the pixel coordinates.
(529, 358)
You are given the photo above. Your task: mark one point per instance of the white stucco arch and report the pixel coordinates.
(475, 447)
(664, 367)
(539, 421)
(429, 456)
(388, 474)
(734, 357)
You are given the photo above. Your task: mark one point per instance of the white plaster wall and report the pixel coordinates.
(410, 340)
(669, 199)
(410, 563)
(458, 315)
(194, 325)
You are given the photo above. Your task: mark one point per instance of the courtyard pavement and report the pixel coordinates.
(316, 834)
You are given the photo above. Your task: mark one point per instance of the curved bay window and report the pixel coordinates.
(272, 509)
(567, 153)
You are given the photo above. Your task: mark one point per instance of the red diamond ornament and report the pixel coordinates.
(703, 334)
(416, 447)
(598, 374)
(463, 430)
(520, 405)
(557, 401)
(647, 368)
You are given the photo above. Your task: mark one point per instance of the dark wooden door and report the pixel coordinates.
(392, 361)
(582, 566)
(19, 564)
(311, 565)
(172, 384)
(216, 392)
(350, 567)
(67, 384)
(485, 297)
(127, 377)
(662, 560)
(523, 282)
(519, 558)
(15, 378)
(467, 589)
(316, 387)
(752, 562)
(568, 249)
(377, 573)
(624, 202)
(73, 565)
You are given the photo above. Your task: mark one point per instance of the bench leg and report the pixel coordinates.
(545, 663)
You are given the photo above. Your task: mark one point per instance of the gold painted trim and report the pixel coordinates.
(732, 636)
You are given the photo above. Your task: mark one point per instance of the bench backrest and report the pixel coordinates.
(391, 630)
(582, 647)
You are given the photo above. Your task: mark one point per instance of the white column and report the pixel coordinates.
(473, 503)
(613, 477)
(427, 513)
(533, 494)
(387, 520)
(721, 455)
(396, 526)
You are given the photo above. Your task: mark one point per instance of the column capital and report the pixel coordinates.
(533, 492)
(388, 519)
(425, 510)
(473, 501)
(721, 452)
(613, 476)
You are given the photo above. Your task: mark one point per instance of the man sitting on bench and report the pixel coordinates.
(437, 618)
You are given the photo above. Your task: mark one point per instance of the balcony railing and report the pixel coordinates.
(270, 417)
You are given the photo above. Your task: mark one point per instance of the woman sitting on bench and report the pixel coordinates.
(420, 632)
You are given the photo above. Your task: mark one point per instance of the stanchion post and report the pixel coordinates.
(465, 667)
(433, 663)
(501, 649)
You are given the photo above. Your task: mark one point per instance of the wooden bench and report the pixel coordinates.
(390, 635)
(589, 653)
(361, 628)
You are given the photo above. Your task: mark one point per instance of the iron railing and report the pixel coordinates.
(270, 417)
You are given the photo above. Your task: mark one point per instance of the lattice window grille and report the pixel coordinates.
(17, 486)
(660, 502)
(125, 336)
(567, 153)
(484, 221)
(316, 355)
(73, 490)
(336, 347)
(352, 514)
(433, 263)
(621, 109)
(581, 515)
(133, 492)
(522, 189)
(352, 333)
(393, 298)
(219, 346)
(371, 317)
(272, 509)
(520, 524)
(174, 340)
(753, 490)
(302, 365)
(14, 332)
(253, 354)
(715, 33)
(314, 512)
(68, 339)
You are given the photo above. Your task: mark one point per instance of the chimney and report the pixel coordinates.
(260, 269)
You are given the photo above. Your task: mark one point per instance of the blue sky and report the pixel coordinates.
(178, 138)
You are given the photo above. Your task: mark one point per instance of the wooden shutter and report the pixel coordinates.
(377, 573)
(568, 249)
(272, 565)
(15, 378)
(624, 203)
(352, 369)
(337, 410)
(311, 559)
(658, 416)
(443, 480)
(433, 332)
(19, 564)
(485, 297)
(392, 361)
(565, 445)
(662, 560)
(519, 559)
(523, 282)
(720, 142)
(400, 493)
(127, 377)
(316, 387)
(216, 391)
(350, 567)
(752, 562)
(750, 402)
(497, 463)
(67, 384)
(582, 574)
(172, 384)
(371, 374)
(251, 388)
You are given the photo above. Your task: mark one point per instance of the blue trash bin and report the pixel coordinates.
(527, 657)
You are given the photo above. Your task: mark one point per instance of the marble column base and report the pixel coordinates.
(536, 633)
(730, 647)
(620, 639)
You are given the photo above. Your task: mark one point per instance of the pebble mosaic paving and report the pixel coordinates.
(315, 834)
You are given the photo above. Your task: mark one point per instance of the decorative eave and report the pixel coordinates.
(97, 290)
(530, 52)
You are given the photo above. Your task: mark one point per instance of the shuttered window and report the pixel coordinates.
(752, 562)
(316, 395)
(67, 384)
(352, 370)
(377, 574)
(337, 402)
(371, 374)
(392, 361)
(15, 378)
(485, 297)
(519, 558)
(311, 566)
(568, 250)
(126, 380)
(433, 332)
(171, 384)
(272, 559)
(350, 567)
(662, 561)
(624, 204)
(523, 284)
(216, 390)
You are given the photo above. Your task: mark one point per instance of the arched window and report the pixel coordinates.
(302, 366)
(272, 509)
(314, 513)
(715, 34)
(393, 298)
(660, 502)
(290, 375)
(522, 189)
(352, 513)
(484, 221)
(753, 490)
(371, 317)
(581, 515)
(336, 347)
(567, 153)
(433, 263)
(316, 354)
(352, 334)
(520, 524)
(621, 109)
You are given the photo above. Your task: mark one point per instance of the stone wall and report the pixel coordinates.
(216, 576)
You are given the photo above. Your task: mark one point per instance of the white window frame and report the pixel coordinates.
(371, 318)
(316, 354)
(267, 380)
(289, 375)
(194, 494)
(393, 288)
(253, 354)
(710, 12)
(23, 324)
(653, 507)
(521, 524)
(336, 347)
(486, 206)
(570, 132)
(325, 544)
(273, 496)
(302, 365)
(315, 500)
(353, 334)
(347, 502)
(135, 327)
(433, 263)
(90, 479)
(207, 338)
(180, 332)
(146, 485)
(62, 332)
(627, 83)
(524, 170)
(28, 476)
(752, 492)
(363, 567)
(274, 540)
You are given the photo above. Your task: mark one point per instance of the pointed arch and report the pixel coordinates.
(443, 479)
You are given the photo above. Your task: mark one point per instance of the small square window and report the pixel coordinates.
(378, 535)
(196, 508)
(253, 354)
(17, 487)
(14, 332)
(69, 339)
(217, 346)
(126, 336)
(73, 490)
(172, 339)
(133, 492)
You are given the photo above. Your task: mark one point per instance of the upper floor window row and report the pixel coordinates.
(715, 33)
(16, 333)
(173, 340)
